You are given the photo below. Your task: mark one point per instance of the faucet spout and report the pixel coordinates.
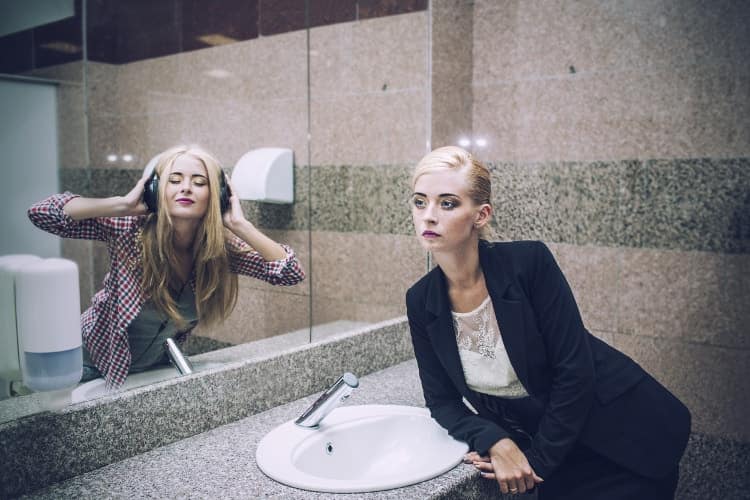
(330, 399)
(180, 362)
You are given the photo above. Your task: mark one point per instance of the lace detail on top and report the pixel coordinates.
(475, 332)
(485, 362)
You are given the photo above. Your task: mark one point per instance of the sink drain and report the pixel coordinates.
(329, 448)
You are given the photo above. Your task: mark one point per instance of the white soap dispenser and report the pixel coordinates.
(10, 364)
(49, 326)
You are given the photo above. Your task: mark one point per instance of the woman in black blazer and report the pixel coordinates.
(496, 325)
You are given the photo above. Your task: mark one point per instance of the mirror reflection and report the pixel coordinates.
(343, 89)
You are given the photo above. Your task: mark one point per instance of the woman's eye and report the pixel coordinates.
(448, 204)
(199, 181)
(175, 179)
(419, 203)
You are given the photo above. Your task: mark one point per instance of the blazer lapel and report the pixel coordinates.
(509, 313)
(441, 332)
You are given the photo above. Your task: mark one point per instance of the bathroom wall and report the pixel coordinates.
(619, 133)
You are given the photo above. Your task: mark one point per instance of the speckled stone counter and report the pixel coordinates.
(220, 463)
(52, 446)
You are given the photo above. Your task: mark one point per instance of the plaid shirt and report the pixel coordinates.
(104, 325)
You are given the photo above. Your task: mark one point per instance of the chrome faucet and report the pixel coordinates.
(180, 362)
(330, 399)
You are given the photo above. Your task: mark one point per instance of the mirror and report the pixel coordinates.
(346, 88)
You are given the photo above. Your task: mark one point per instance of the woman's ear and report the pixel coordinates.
(483, 215)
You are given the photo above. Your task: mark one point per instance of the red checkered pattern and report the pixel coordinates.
(104, 324)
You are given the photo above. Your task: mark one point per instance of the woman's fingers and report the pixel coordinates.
(511, 467)
(473, 456)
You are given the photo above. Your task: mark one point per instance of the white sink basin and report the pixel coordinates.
(360, 448)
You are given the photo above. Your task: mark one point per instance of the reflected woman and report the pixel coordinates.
(555, 408)
(171, 266)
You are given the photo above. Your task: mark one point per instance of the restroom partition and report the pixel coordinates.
(28, 140)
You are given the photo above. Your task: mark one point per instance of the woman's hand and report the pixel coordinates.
(116, 206)
(234, 217)
(508, 465)
(234, 220)
(133, 203)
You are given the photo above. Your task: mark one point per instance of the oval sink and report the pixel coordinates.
(360, 448)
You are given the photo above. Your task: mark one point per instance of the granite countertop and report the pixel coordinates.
(221, 461)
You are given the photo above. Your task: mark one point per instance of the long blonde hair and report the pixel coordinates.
(216, 287)
(477, 174)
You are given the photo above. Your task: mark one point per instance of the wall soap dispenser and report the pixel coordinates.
(265, 174)
(49, 327)
(10, 355)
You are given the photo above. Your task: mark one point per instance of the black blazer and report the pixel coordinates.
(590, 391)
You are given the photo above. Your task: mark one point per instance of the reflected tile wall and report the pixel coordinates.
(81, 252)
(371, 280)
(368, 91)
(452, 66)
(145, 107)
(260, 314)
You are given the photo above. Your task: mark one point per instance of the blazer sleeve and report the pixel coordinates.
(570, 360)
(441, 396)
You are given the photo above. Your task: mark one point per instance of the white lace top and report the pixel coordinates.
(485, 362)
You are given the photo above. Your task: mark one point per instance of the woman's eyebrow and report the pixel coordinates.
(442, 195)
(193, 175)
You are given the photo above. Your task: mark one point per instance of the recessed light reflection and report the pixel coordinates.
(111, 158)
(219, 74)
(127, 158)
(464, 142)
(481, 142)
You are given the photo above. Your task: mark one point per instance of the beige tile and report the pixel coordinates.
(369, 129)
(71, 126)
(327, 310)
(111, 135)
(299, 241)
(691, 296)
(103, 86)
(265, 68)
(228, 129)
(260, 314)
(71, 73)
(523, 39)
(592, 273)
(371, 56)
(451, 84)
(711, 381)
(608, 337)
(371, 269)
(79, 251)
(611, 116)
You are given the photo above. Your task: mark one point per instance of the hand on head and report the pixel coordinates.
(134, 204)
(233, 216)
(508, 465)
